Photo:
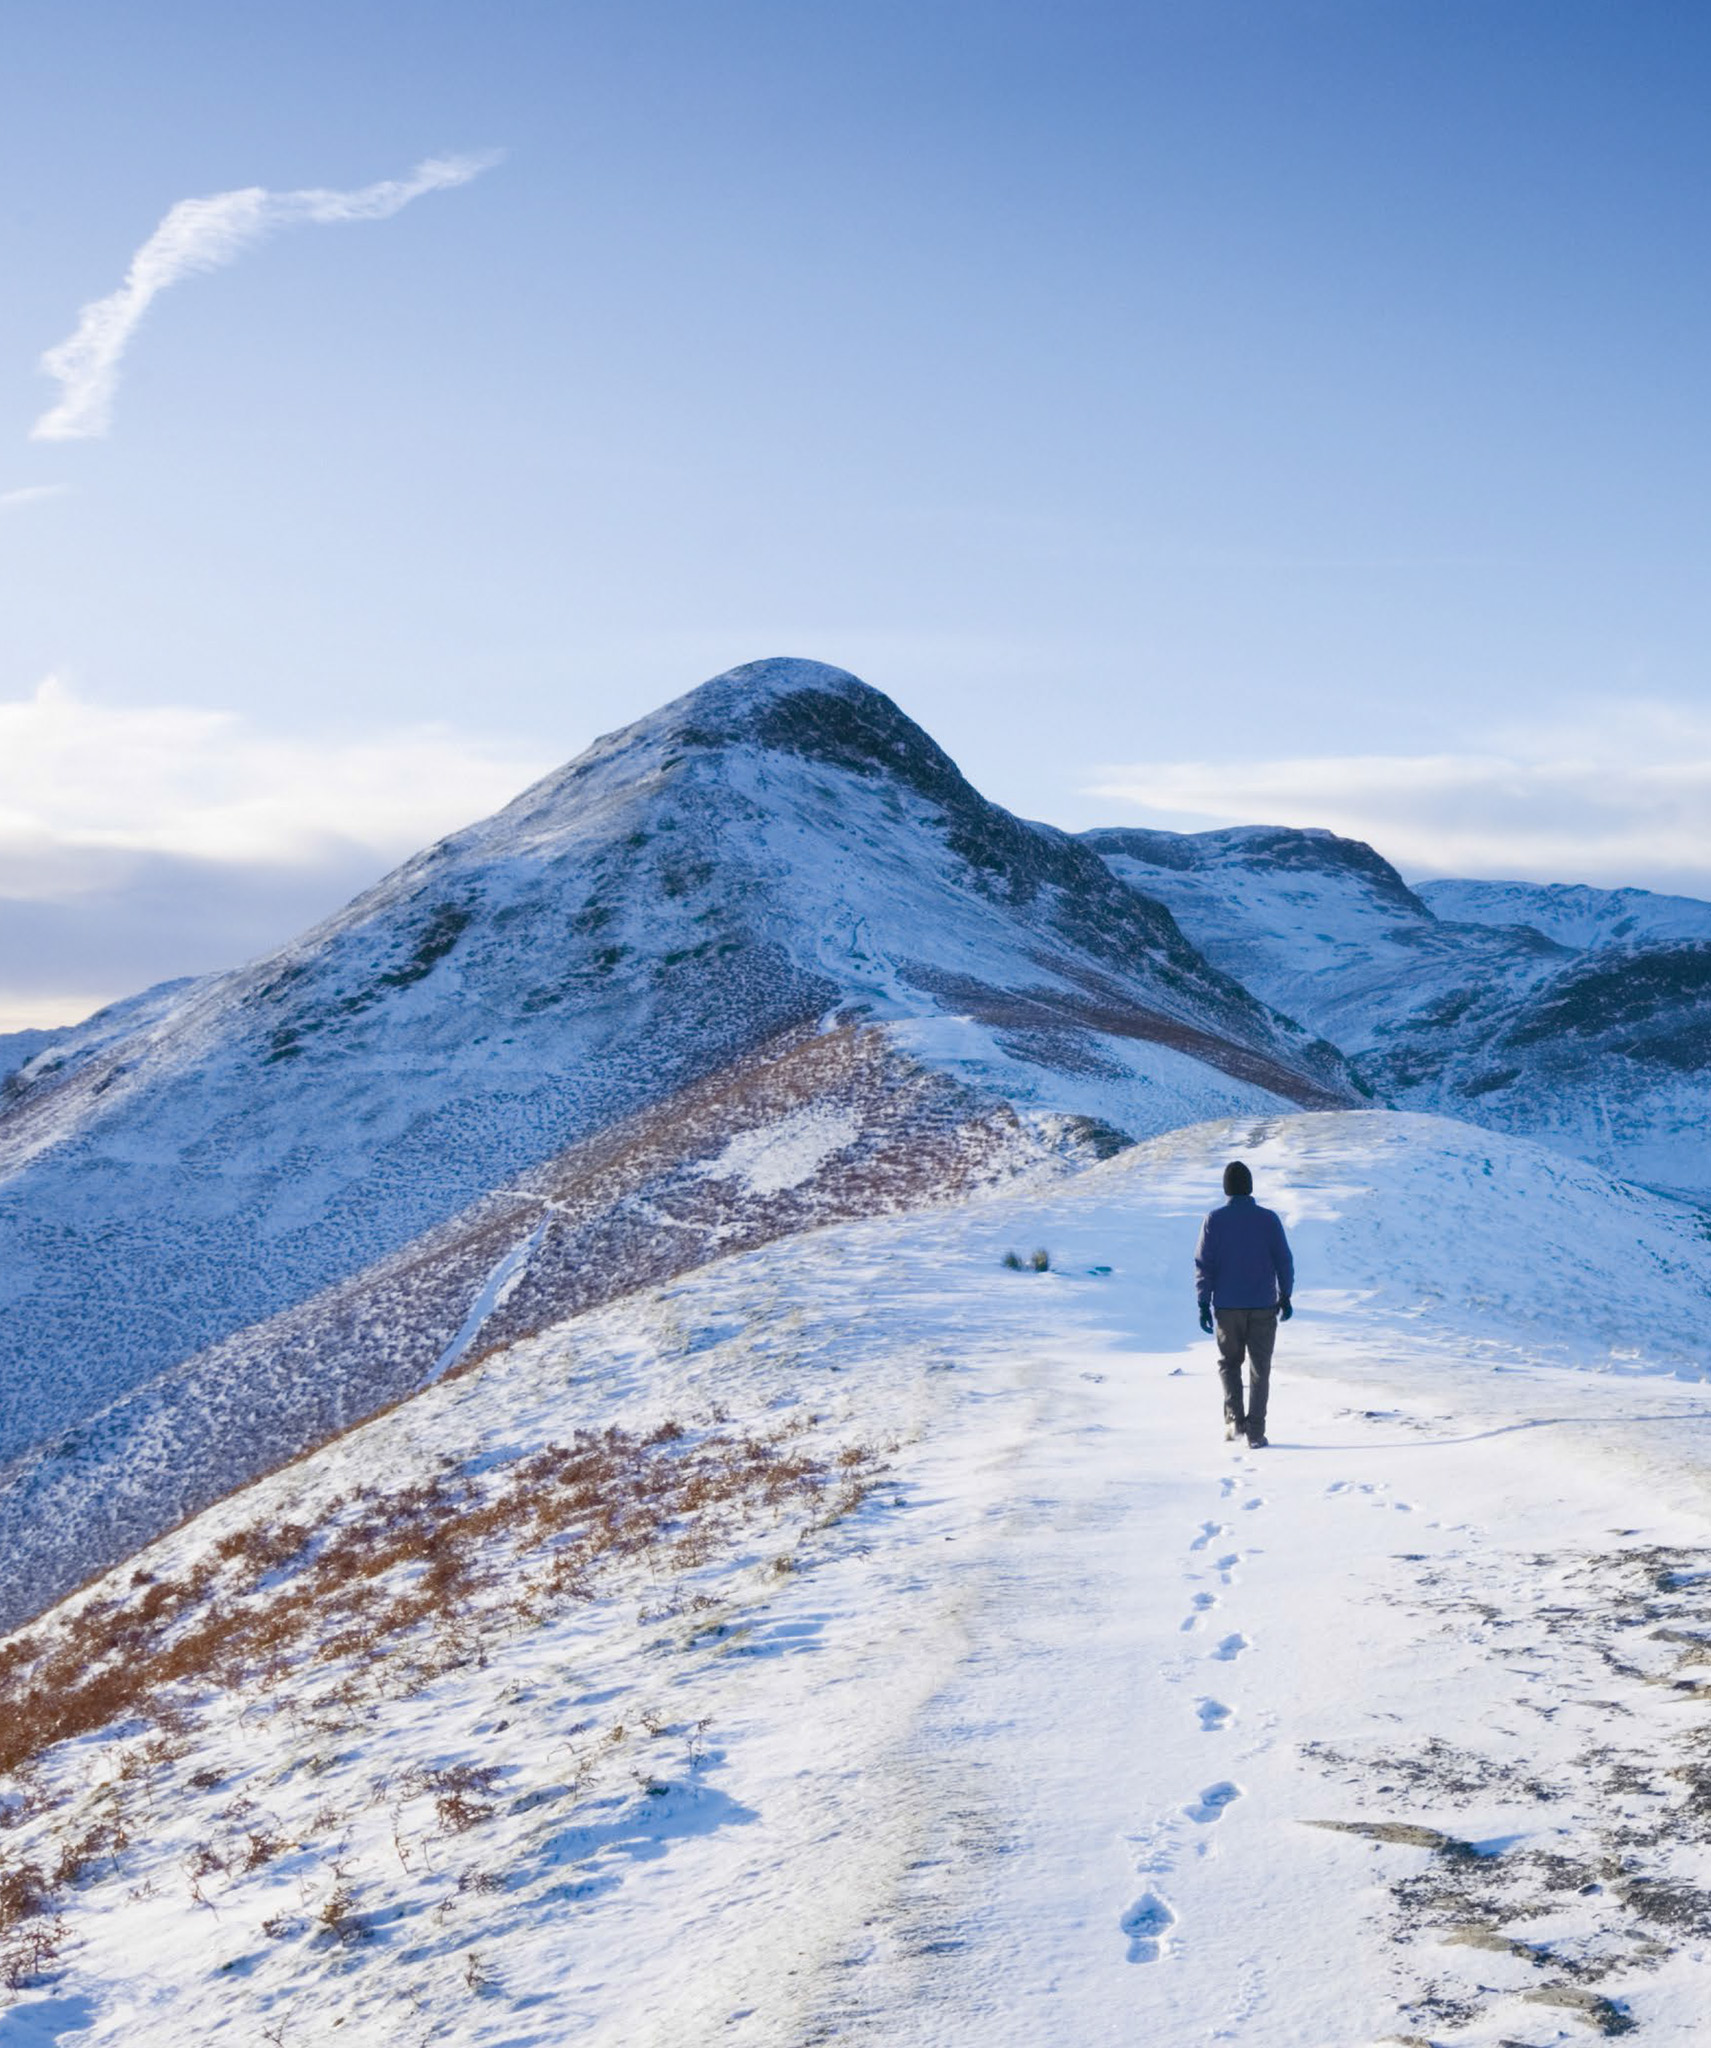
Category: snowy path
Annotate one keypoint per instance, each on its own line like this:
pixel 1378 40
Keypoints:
pixel 1089 1727
pixel 1080 1707
pixel 1220 1730
pixel 1111 1789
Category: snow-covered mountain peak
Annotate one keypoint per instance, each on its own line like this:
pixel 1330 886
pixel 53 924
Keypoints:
pixel 731 701
pixel 1322 927
pixel 782 704
pixel 707 742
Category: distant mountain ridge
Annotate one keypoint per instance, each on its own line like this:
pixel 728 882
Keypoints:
pixel 1577 1016
pixel 1573 914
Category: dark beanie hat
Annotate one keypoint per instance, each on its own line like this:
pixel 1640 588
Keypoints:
pixel 1237 1179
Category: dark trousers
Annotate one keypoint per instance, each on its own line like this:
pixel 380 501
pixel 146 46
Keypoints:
pixel 1249 1333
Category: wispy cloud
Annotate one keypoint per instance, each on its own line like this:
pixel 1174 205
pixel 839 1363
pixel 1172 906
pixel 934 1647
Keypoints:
pixel 1621 795
pixel 30 494
pixel 199 235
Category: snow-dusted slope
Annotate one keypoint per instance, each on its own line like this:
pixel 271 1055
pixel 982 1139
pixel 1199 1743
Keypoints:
pixel 1571 913
pixel 780 847
pixel 1326 929
pixel 813 1127
pixel 1601 1048
pixel 900 1655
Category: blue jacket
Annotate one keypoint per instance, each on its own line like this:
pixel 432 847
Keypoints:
pixel 1242 1260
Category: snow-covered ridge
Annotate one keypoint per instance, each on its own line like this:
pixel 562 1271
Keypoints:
pixel 1573 914
pixel 1045 1687
pixel 540 1064
pixel 1324 927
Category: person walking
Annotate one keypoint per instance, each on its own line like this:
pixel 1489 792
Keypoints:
pixel 1244 1275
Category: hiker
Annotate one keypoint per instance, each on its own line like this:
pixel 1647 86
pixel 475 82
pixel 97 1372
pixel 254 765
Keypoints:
pixel 1244 1275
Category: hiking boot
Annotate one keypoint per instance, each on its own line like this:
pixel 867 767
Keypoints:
pixel 1258 1440
pixel 1233 1429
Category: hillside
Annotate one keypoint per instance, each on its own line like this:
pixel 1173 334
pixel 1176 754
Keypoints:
pixel 1329 930
pixel 889 1641
pixel 1590 1029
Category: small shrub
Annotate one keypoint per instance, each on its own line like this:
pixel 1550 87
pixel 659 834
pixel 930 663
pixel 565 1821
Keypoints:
pixel 338 1910
pixel 261 1846
pixel 461 1778
pixel 1041 1261
pixel 23 1891
pixel 29 1952
pixel 457 1812
pixel 76 1857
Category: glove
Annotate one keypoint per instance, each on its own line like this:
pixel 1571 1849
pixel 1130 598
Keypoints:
pixel 1284 1310
pixel 1206 1321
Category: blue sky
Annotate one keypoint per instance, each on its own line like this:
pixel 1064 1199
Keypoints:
pixel 1191 411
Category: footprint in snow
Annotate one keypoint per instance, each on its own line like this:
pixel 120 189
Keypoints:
pixel 1201 1602
pixel 1146 1923
pixel 1258 1501
pixel 1227 1486
pixel 1208 1532
pixel 1214 1715
pixel 1227 1564
pixel 1211 1803
pixel 1230 1648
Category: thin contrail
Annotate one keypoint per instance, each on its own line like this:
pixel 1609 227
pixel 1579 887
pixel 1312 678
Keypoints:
pixel 196 235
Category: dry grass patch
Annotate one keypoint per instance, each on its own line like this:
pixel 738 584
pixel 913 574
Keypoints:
pixel 438 1556
pixel 395 1585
